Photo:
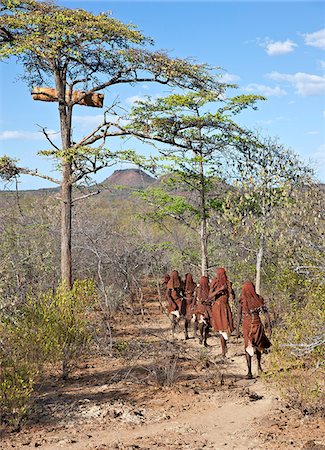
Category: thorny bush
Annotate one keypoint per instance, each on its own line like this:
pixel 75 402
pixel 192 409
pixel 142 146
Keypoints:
pixel 297 358
pixel 48 327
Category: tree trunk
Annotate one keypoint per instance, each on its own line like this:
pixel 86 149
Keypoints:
pixel 66 207
pixel 204 247
pixel 203 231
pixel 66 186
pixel 259 259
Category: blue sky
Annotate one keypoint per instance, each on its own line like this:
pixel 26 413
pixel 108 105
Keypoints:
pixel 271 48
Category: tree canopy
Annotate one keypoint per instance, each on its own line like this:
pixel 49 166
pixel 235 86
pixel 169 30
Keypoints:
pixel 49 39
pixel 195 147
pixel 75 49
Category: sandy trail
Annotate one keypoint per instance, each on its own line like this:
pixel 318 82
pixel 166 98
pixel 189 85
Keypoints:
pixel 197 413
pixel 223 426
pixel 210 420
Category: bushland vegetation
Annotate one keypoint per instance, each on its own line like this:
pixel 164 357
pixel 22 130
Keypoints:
pixel 115 245
pixel 224 197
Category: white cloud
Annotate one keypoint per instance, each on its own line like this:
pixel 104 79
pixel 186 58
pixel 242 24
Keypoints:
pixel 135 98
pixel 280 48
pixel 304 83
pixel 312 133
pixel 229 78
pixel 322 64
pixel 89 121
pixel 8 135
pixel 316 39
pixel 265 90
pixel 141 98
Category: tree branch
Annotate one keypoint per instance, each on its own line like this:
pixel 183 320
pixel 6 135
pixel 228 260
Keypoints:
pixel 35 173
pixel 47 137
pixel 85 196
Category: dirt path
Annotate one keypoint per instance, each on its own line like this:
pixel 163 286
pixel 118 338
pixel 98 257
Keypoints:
pixel 213 427
pixel 119 404
pixel 209 420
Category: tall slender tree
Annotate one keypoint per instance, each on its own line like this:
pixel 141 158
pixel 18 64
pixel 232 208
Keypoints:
pixel 71 49
pixel 195 149
pixel 266 177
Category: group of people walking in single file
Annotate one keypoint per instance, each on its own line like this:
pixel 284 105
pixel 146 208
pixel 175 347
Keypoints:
pixel 207 304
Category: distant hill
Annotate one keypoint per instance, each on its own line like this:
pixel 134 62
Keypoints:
pixel 125 179
pixel 133 178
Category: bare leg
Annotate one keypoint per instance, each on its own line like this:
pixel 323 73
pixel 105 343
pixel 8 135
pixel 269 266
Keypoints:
pixel 201 329
pixel 195 328
pixel 174 324
pixel 249 375
pixel 259 357
pixel 206 329
pixel 223 345
pixel 186 328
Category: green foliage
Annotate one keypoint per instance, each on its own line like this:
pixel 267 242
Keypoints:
pixel 46 30
pixel 265 177
pixel 65 317
pixel 195 148
pixel 49 327
pixel 8 168
pixel 183 121
pixel 122 348
pixel 17 381
pixel 46 37
pixel 56 49
pixel 296 362
pixel 300 237
pixel 165 204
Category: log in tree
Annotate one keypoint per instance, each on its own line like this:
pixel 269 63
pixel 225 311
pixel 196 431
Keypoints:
pixel 196 147
pixel 74 49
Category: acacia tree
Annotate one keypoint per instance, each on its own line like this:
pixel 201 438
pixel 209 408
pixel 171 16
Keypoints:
pixel 71 49
pixel 266 176
pixel 195 147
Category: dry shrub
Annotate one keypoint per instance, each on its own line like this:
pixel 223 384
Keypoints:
pixel 296 363
pixel 303 388
pixel 122 349
pixel 49 327
pixel 112 300
pixel 166 371
pixel 17 381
